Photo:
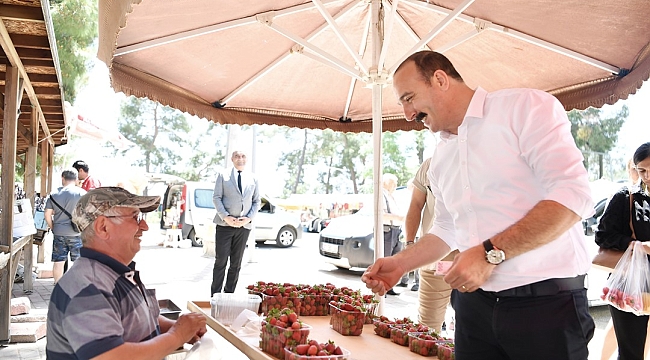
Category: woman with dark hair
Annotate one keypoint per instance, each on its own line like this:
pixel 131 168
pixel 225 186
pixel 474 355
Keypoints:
pixel 627 219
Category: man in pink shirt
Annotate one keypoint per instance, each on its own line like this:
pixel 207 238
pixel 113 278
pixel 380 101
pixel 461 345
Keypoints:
pixel 87 182
pixel 510 191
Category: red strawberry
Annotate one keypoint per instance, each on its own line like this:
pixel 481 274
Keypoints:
pixel 313 350
pixel 302 349
pixel 338 351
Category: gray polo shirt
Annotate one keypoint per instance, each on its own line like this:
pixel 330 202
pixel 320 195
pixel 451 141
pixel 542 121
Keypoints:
pixel 67 197
pixel 97 306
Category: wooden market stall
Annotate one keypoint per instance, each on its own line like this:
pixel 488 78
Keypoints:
pixel 33 121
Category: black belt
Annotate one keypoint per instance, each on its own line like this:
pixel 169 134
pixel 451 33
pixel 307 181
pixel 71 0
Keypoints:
pixel 543 288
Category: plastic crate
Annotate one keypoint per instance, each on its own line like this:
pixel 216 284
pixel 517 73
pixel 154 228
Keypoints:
pixel 226 307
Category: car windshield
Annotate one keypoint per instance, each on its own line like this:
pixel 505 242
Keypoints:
pixel 203 198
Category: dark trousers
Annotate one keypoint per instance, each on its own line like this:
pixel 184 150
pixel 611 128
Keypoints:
pixel 392 246
pixel 630 333
pixel 230 244
pixel 522 328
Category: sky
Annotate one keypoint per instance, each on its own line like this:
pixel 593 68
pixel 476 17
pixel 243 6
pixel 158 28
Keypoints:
pixel 97 101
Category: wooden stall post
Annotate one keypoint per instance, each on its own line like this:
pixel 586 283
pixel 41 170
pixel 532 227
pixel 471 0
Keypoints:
pixel 30 190
pixel 7 179
pixel 40 258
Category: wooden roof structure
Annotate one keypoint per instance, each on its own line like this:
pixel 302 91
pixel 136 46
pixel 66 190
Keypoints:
pixel 28 42
pixel 33 121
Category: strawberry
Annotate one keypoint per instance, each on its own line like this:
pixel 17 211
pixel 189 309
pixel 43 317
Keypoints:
pixel 313 350
pixel 302 349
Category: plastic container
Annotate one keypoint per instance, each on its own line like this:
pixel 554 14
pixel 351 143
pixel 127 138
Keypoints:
pixel 226 307
pixel 347 322
pixel 274 338
pixel 382 328
pixel 426 347
pixel 399 334
pixel 290 355
pixel 446 351
pixel 280 302
pixel 371 312
pixel 315 305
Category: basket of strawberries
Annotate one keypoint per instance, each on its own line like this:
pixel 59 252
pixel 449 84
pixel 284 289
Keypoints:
pixel 314 350
pixel 347 319
pixel 426 343
pixel 282 328
pixel 383 324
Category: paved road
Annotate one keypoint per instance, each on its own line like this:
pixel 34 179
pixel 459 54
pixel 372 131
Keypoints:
pixel 185 274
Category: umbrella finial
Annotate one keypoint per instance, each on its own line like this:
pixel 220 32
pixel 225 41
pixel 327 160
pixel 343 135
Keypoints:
pixel 217 104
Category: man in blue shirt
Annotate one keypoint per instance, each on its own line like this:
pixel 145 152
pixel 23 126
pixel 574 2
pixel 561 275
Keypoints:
pixel 58 210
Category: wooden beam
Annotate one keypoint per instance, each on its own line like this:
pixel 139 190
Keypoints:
pixel 35 62
pixel 43 78
pixel 7 179
pixel 24 132
pixel 9 49
pixel 23 13
pixel 34 53
pixel 29 41
pixel 44 154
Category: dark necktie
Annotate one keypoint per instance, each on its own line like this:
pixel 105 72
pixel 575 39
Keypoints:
pixel 239 181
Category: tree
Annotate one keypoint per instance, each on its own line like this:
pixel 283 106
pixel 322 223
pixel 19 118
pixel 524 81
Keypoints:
pixel 394 159
pixel 164 137
pixel 595 135
pixel 75 29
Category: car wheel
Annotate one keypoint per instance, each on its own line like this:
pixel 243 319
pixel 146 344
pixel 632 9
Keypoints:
pixel 286 237
pixel 196 241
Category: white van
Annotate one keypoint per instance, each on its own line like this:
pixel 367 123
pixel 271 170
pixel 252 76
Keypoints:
pixel 188 206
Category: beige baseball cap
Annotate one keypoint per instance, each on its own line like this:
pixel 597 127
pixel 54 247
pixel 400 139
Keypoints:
pixel 98 201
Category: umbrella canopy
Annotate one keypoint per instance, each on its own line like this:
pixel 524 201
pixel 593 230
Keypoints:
pixel 311 64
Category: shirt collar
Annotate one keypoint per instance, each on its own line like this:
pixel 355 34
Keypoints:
pixel 117 266
pixel 475 110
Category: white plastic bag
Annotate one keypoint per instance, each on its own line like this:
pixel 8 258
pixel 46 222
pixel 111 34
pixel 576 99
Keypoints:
pixel 206 348
pixel 628 288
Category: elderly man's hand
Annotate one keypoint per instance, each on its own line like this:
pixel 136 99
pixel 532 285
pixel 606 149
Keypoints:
pixel 382 275
pixel 189 327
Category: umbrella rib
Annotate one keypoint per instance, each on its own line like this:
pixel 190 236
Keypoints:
pixel 362 51
pixel 207 30
pixel 387 33
pixel 326 15
pixel 522 36
pixel 284 56
pixel 451 16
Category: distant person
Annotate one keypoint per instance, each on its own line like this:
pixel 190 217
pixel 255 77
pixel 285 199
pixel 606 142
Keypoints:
pixel 434 292
pixel 237 200
pixel 627 219
pixel 87 182
pixel 393 219
pixel 100 309
pixel 58 216
pixel 510 190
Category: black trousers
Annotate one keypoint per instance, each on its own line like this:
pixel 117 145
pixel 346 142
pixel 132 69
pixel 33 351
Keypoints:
pixel 230 243
pixel 489 327
pixel 630 333
pixel 392 246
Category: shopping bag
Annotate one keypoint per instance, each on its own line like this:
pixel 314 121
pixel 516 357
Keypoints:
pixel 628 288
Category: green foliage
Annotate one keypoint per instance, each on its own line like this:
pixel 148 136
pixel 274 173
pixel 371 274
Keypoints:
pixel 75 29
pixel 165 138
pixel 596 136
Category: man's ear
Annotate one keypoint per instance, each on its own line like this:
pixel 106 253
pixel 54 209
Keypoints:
pixel 100 225
pixel 441 80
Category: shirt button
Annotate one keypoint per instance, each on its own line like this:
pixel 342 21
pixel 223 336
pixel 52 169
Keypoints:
pixel 462 140
pixel 466 187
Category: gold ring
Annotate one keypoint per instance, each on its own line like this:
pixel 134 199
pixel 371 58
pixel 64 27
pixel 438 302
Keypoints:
pixel 463 287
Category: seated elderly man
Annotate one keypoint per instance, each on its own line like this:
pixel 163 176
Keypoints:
pixel 100 308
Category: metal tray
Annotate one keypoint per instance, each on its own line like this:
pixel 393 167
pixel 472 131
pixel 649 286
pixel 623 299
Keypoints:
pixel 168 309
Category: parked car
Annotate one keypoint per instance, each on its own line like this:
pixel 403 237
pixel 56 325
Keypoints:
pixel 348 241
pixel 188 206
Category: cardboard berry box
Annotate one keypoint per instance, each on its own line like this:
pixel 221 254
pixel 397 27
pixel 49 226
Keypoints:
pixel 347 322
pixel 275 338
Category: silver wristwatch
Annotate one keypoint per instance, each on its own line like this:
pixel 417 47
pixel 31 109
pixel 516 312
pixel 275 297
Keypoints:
pixel 492 254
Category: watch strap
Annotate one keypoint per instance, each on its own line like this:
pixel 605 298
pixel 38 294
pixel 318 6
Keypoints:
pixel 487 244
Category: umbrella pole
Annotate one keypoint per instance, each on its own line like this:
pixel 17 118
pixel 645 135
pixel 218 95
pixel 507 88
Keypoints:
pixel 378 202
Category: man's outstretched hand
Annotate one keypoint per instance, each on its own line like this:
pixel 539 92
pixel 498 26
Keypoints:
pixel 382 275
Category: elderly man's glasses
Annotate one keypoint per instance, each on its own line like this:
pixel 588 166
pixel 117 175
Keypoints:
pixel 138 217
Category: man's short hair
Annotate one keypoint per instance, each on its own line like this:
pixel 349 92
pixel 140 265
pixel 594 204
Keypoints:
pixel 97 202
pixel 80 164
pixel 69 174
pixel 428 62
pixel 389 178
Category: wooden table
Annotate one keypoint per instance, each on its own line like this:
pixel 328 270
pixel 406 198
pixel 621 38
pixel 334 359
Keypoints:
pixel 367 346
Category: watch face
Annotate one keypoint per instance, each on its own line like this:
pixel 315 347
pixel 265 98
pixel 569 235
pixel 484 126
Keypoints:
pixel 495 256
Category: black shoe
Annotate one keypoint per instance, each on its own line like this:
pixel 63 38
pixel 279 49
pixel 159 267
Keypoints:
pixel 415 287
pixel 403 285
pixel 391 292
